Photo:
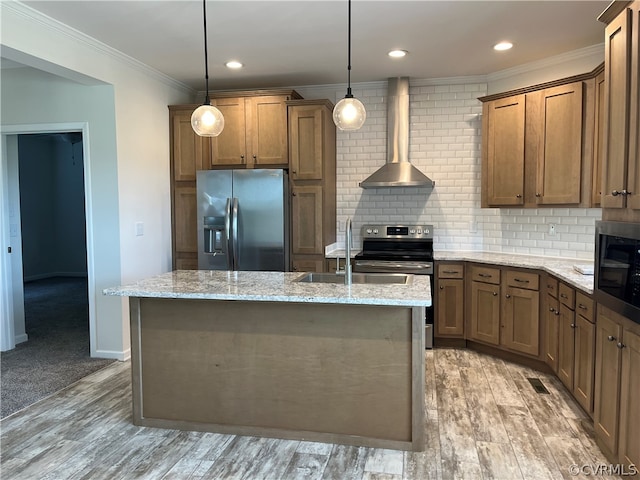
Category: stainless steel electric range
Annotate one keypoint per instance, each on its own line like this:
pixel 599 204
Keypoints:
pixel 399 249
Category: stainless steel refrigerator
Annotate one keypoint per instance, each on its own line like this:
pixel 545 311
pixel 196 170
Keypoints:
pixel 243 220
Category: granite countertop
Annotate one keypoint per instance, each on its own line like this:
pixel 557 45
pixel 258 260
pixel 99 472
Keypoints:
pixel 273 287
pixel 559 267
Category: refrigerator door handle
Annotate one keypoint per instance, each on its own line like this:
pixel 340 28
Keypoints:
pixel 234 229
pixel 228 234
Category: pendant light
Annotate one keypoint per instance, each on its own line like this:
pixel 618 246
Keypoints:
pixel 207 120
pixel 349 113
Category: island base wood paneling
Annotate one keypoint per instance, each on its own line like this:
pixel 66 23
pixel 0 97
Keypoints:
pixel 350 374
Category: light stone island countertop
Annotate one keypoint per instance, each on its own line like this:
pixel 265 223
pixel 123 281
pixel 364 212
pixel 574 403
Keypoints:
pixel 559 267
pixel 273 287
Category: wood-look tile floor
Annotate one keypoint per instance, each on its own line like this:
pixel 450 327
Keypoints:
pixel 483 421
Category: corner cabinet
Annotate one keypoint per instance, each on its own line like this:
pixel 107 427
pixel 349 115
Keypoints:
pixel 621 137
pixel 312 173
pixel 189 153
pixel 617 387
pixel 255 131
pixel 538 144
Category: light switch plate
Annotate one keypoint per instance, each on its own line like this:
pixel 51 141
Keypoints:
pixel 139 229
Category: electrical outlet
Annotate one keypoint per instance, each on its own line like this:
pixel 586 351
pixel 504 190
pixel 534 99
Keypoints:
pixel 552 229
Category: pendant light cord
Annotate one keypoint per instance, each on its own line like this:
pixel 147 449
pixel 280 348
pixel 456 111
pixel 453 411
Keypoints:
pixel 207 100
pixel 349 94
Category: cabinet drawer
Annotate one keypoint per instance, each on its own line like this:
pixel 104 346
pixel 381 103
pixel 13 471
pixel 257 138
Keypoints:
pixel 552 287
pixel 529 281
pixel 450 270
pixel 584 306
pixel 567 296
pixel 486 275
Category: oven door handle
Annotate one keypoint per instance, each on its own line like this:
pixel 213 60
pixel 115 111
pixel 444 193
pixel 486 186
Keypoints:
pixel 382 265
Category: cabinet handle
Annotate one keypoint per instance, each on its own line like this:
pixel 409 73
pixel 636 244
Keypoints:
pixel 551 309
pixel 294 171
pixel 450 271
pixel 563 295
pixel 293 194
pixel 611 338
pixel 583 307
pixel 242 157
pixel 508 296
pixel 557 312
pixel 521 280
pixel 254 157
pixel 625 192
pixel 441 287
pixel 538 195
pixel 615 193
pixel 518 196
pixel 485 275
pixel 495 294
pixel 620 345
pixel 573 325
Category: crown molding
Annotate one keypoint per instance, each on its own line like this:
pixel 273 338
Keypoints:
pixel 548 62
pixel 19 9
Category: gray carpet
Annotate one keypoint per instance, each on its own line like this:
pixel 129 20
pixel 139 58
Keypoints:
pixel 57 352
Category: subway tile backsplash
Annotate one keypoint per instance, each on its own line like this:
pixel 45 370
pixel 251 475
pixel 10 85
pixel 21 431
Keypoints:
pixel 445 141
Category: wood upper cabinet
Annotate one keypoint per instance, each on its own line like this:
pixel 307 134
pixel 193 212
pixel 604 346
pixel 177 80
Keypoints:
pixel 503 151
pixel 449 300
pixel 621 168
pixel 538 145
pixel 255 131
pixel 598 139
pixel 559 162
pixel 312 173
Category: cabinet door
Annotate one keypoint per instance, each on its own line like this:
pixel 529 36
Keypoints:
pixel 552 331
pixel 607 387
pixel 184 220
pixel 560 150
pixel 598 139
pixel 229 148
pixel 190 152
pixel 584 362
pixel 308 264
pixel 566 345
pixel 633 178
pixel 266 118
pixel 505 151
pixel 306 210
pixel 306 140
pixel 520 320
pixel 450 307
pixel 629 451
pixel 485 312
pixel 617 105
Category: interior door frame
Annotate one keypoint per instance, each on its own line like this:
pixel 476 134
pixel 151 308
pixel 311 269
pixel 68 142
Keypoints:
pixel 10 263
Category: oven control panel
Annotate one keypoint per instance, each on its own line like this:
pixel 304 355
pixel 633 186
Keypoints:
pixel 397 231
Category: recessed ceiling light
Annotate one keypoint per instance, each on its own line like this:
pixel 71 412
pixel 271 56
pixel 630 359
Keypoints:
pixel 397 53
pixel 234 64
pixel 502 46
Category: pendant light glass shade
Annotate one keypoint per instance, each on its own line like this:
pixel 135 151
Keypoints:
pixel 207 121
pixel 349 113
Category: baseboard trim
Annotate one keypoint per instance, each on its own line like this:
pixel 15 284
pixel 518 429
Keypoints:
pixel 23 337
pixel 116 355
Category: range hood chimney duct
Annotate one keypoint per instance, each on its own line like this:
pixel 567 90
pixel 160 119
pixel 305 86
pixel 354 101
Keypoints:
pixel 398 171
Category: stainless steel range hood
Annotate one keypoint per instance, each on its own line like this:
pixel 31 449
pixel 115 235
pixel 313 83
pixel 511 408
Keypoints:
pixel 398 171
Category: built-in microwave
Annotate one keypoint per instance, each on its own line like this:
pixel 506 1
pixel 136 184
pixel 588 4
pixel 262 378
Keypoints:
pixel 617 267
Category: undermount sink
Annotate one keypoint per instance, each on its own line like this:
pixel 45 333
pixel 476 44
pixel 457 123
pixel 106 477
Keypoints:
pixel 366 278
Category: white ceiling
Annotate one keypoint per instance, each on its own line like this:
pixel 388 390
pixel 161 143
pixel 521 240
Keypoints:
pixel 295 43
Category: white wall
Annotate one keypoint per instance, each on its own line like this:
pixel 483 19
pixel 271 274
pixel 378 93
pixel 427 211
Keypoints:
pixel 125 107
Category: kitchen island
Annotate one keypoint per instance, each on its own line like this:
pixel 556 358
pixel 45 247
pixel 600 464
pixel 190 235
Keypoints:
pixel 259 353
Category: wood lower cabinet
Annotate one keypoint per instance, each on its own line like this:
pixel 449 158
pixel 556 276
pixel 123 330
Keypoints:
pixel 312 147
pixel 617 386
pixel 584 362
pixel 566 345
pixel 255 133
pixel 449 300
pixel 551 324
pixel 483 303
